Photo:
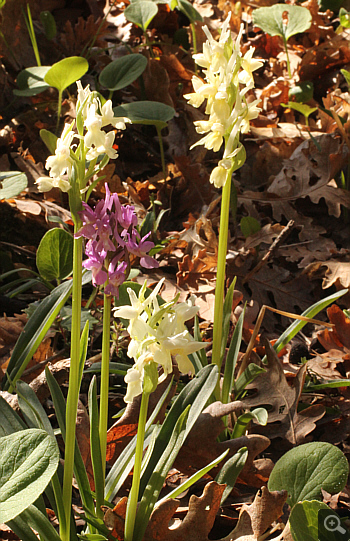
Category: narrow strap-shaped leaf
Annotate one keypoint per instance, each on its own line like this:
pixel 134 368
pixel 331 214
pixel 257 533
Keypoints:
pixel 39 522
pixel 79 468
pixel 122 467
pixel 231 470
pixel 231 360
pixel 95 445
pixel 196 393
pixel 32 410
pixel 249 374
pixel 241 425
pixel 10 421
pixel 227 310
pixel 154 486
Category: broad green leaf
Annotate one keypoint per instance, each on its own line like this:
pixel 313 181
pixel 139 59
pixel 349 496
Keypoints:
pixel 151 113
pixel 187 9
pixel 141 13
pixel 271 20
pixel 12 183
pixel 31 408
pixel 344 17
pixel 258 414
pixel 230 471
pixel 66 72
pixel 346 74
pixel 54 257
pixel 307 522
pixel 123 71
pixel 50 140
pixel 249 226
pixel 302 92
pixel 31 81
pixel 304 470
pixel 28 460
pixel 302 108
pixel 49 24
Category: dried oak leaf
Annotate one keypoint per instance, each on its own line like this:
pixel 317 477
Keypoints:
pixel 272 388
pixel 332 272
pixel 338 337
pixel 114 518
pixel 332 54
pixel 197 523
pixel 75 39
pixel 201 445
pixel 255 519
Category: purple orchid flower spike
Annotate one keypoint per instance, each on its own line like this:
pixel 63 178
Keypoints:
pixel 141 248
pixel 116 276
pixel 95 263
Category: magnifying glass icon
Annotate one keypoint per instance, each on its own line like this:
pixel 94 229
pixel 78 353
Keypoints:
pixel 332 524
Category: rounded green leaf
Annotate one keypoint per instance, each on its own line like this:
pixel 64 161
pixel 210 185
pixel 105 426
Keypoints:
pixel 302 92
pixel 249 226
pixel 123 71
pixel 49 24
pixel 31 81
pixel 12 183
pixel 28 460
pixel 141 13
pixel 271 20
pixel 304 470
pixel 54 257
pixel 66 72
pixel 151 113
pixel 187 9
pixel 305 521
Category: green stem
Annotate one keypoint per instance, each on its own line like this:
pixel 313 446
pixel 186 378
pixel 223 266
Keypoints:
pixel 74 384
pixel 194 41
pixel 134 492
pixel 220 275
pixel 149 45
pixel 59 106
pixel 103 421
pixel 161 148
pixel 288 62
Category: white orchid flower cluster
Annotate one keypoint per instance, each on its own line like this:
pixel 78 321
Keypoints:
pixel 92 116
pixel 228 78
pixel 158 333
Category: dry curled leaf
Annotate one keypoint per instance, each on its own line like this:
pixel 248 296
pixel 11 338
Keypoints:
pixel 197 523
pixel 272 389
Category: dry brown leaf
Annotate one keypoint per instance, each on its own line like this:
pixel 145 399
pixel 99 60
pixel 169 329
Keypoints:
pixel 338 337
pixel 333 53
pixel 83 34
pixel 114 518
pixel 273 389
pixel 197 523
pixel 157 83
pixel 255 519
pixel 206 431
pixel 333 273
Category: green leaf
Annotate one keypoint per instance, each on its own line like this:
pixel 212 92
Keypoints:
pixel 66 315
pixel 249 226
pixel 50 140
pixel 123 71
pixel 302 92
pixel 141 13
pixel 258 414
pixel 12 183
pixel 10 421
pixel 304 470
pixel 49 24
pixel 344 17
pixel 270 20
pixel 31 81
pixel 66 72
pixel 305 521
pixel 152 113
pixel 95 444
pixel 230 471
pixel 346 74
pixel 54 257
pixel 249 374
pixel 28 460
pixel 302 108
pixel 231 360
pixel 31 408
pixel 187 9
pixel 37 520
pixel 227 311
